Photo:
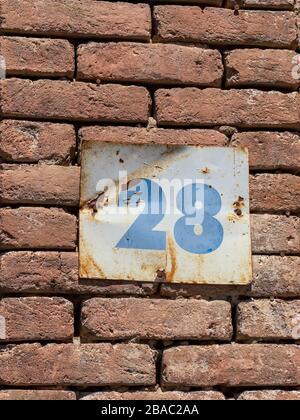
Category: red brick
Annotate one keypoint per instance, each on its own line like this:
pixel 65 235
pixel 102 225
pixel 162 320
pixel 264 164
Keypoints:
pixel 62 100
pixel 33 142
pixel 37 57
pixel 224 27
pixel 268 320
pixel 76 18
pixel 232 365
pixel 266 68
pixel 116 319
pixel 157 135
pixel 55 185
pixel 271 193
pixel 262 4
pixel 155 396
pixel 275 234
pixel 276 276
pixel 205 2
pixel 54 272
pixel 270 396
pixel 77 365
pixel 36 319
pixel 150 63
pixel 37 228
pixel 241 108
pixel 35 395
pixel 270 150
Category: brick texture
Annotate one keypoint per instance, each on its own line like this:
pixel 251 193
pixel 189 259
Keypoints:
pixel 265 68
pixel 155 396
pixel 270 150
pixel 38 57
pixel 270 396
pixel 35 395
pixel 150 63
pixel 37 228
pixel 47 184
pixel 60 100
pixel 232 365
pixel 215 26
pixel 157 135
pixel 108 319
pixel 182 72
pixel 36 319
pixel 85 365
pixel 275 234
pixel 257 4
pixel 241 108
pixel 275 193
pixel 76 18
pixel 34 142
pixel 268 320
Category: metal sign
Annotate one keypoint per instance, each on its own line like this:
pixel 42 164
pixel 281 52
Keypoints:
pixel 163 213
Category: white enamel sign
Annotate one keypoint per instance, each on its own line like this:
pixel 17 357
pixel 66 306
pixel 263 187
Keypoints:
pixel 175 214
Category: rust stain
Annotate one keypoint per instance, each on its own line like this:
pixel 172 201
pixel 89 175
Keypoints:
pixel 240 202
pixel 87 263
pixel 99 200
pixel 172 254
pixel 205 171
pixel 238 205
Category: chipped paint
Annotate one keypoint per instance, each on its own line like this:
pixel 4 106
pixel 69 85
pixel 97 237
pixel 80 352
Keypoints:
pixel 225 170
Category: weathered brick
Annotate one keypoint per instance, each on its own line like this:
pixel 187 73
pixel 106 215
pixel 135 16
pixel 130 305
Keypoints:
pixel 150 63
pixel 268 320
pixel 205 2
pixel 155 396
pixel 276 276
pixel 36 319
pixel 241 108
pixel 273 193
pixel 266 68
pixel 275 234
pixel 272 276
pixel 62 100
pixel 262 4
pixel 46 184
pixel 37 57
pixel 33 142
pixel 215 26
pixel 77 365
pixel 270 396
pixel 157 135
pixel 57 273
pixel 76 18
pixel 232 365
pixel 270 150
pixel 36 395
pixel 37 228
pixel 114 319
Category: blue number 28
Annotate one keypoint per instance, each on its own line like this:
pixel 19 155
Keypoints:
pixel 197 232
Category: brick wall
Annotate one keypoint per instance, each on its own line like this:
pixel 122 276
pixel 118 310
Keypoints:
pixel 225 74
